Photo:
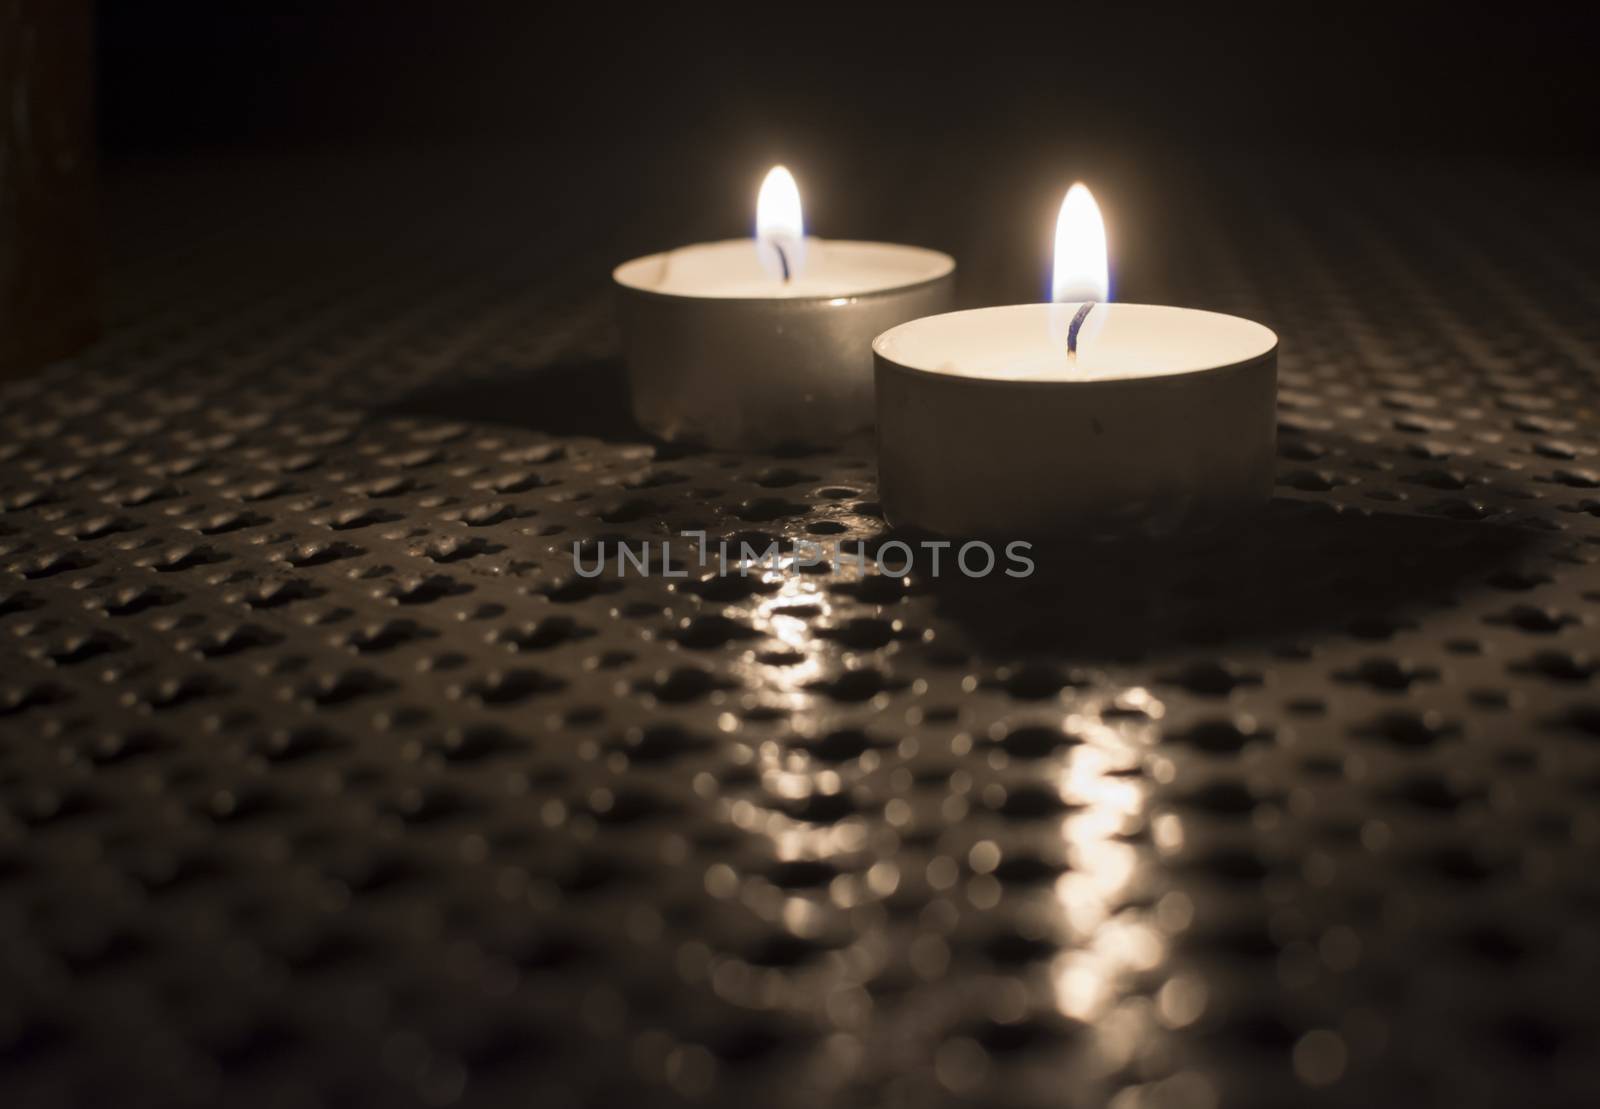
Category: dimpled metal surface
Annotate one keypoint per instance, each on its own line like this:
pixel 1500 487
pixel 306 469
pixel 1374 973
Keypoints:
pixel 324 780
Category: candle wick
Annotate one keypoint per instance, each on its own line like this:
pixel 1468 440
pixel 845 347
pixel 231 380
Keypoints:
pixel 1076 326
pixel 783 260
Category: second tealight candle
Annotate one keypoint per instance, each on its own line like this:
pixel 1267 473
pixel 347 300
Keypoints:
pixel 757 343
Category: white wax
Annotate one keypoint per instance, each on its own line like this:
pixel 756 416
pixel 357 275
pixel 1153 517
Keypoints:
pixel 733 270
pixel 1028 342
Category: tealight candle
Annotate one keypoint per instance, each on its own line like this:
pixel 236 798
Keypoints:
pixel 1078 416
pixel 753 343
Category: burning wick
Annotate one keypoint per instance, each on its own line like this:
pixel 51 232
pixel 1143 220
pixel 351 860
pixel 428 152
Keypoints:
pixel 1072 329
pixel 1080 263
pixel 779 223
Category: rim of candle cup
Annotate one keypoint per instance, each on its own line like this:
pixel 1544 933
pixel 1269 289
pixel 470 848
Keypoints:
pixel 1151 380
pixel 948 261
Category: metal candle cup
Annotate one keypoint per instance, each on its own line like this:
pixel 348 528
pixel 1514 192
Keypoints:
pixel 721 352
pixel 986 427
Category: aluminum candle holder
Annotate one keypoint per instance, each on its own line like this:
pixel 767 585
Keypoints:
pixel 986 427
pixel 721 354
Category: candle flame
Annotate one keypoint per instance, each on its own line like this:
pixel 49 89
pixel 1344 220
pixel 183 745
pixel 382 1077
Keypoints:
pixel 780 232
pixel 1080 269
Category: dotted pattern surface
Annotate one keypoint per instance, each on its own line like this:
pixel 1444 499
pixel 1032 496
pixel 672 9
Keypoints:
pixel 324 778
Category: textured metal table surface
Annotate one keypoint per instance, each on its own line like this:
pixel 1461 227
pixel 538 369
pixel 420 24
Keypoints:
pixel 325 780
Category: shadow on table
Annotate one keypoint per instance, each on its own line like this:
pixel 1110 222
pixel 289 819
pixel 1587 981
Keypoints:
pixel 587 397
pixel 1300 569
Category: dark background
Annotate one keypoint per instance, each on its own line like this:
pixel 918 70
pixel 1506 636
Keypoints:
pixel 958 128
pixel 1504 80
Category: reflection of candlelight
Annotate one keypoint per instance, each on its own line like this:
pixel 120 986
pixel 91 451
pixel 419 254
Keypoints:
pixel 1107 806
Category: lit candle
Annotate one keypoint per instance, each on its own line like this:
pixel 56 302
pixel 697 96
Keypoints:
pixel 754 343
pixel 1077 416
